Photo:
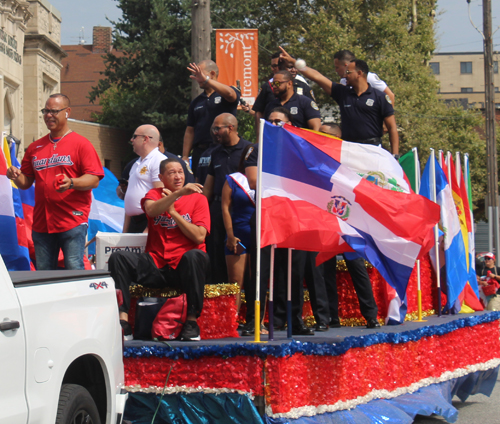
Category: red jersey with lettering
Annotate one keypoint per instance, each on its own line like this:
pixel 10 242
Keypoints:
pixel 166 242
pixel 74 156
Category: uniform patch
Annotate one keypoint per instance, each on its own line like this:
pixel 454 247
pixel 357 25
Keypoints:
pixel 250 150
pixel 376 77
pixel 300 90
pixel 294 110
pixel 143 170
pixel 217 100
pixel 314 106
pixel 77 213
pixel 369 102
pixel 388 99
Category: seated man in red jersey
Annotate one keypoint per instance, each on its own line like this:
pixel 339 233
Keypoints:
pixel 178 222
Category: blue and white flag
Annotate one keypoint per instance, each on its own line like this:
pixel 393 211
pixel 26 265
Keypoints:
pixel 454 248
pixel 107 212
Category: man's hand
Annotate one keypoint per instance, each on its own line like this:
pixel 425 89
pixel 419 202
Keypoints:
pixel 13 173
pixel 165 192
pixel 284 55
pixel 64 183
pixel 198 74
pixel 190 189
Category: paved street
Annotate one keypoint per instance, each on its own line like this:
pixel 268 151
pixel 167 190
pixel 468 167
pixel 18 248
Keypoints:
pixel 478 409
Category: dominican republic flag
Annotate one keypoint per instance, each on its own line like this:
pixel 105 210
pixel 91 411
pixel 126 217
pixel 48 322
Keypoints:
pixel 454 248
pixel 13 238
pixel 107 212
pixel 312 201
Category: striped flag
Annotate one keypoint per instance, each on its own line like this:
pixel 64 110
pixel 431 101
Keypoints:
pixel 312 201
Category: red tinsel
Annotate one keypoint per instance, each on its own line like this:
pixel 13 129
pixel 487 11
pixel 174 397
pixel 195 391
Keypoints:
pixel 302 380
pixel 239 373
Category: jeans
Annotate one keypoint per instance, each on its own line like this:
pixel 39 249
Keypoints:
pixel 72 243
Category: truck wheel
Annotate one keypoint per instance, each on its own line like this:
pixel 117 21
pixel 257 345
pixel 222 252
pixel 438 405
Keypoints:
pixel 76 406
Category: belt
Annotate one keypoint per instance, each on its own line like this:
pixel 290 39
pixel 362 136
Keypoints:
pixel 202 146
pixel 139 218
pixel 218 198
pixel 373 140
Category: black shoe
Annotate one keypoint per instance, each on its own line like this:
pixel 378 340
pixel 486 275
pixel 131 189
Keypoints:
pixel 335 323
pixel 321 327
pixel 372 323
pixel 302 330
pixel 127 330
pixel 190 332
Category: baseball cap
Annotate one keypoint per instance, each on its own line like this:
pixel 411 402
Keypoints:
pixel 489 255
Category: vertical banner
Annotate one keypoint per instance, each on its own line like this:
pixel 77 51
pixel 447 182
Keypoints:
pixel 238 60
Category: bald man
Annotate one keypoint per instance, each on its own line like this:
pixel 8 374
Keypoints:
pixel 225 160
pixel 216 98
pixel 143 176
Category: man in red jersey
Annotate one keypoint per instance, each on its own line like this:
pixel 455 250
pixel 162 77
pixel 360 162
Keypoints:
pixel 178 222
pixel 65 168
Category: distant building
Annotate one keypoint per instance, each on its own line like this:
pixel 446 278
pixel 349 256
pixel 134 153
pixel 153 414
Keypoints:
pixel 82 69
pixel 461 77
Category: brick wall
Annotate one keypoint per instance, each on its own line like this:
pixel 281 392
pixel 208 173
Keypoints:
pixel 110 143
pixel 101 39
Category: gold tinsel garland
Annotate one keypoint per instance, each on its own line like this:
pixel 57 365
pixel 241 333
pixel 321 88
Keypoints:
pixel 211 291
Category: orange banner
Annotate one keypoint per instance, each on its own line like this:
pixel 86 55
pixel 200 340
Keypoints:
pixel 238 60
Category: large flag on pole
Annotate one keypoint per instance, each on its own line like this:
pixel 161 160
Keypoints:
pixel 454 248
pixel 311 201
pixel 13 240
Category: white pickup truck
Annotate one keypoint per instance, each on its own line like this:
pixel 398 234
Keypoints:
pixel 60 348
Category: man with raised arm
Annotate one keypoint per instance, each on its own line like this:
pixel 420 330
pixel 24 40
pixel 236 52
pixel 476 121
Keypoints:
pixel 216 98
pixel 363 109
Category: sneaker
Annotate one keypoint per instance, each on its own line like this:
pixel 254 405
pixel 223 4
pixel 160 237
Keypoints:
pixel 190 332
pixel 127 330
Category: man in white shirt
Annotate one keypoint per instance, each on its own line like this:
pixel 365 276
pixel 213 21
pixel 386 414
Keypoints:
pixel 143 176
pixel 343 57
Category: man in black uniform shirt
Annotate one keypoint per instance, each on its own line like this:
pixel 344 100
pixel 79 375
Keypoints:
pixel 217 98
pixel 225 160
pixel 266 94
pixel 304 111
pixel 363 109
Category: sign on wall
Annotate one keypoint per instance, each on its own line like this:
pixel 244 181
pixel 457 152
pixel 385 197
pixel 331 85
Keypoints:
pixel 238 58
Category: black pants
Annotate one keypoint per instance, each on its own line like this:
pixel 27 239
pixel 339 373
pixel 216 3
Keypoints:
pixel 189 276
pixel 196 155
pixel 362 285
pixel 314 276
pixel 138 223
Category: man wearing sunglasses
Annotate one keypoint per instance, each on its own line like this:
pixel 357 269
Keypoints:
pixel 363 109
pixel 65 168
pixel 304 111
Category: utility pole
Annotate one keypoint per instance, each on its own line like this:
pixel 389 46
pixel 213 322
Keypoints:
pixel 201 30
pixel 491 147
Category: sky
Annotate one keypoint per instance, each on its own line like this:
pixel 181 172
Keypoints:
pixel 454 31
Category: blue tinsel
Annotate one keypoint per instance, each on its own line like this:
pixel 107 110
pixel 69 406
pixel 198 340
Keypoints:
pixel 293 347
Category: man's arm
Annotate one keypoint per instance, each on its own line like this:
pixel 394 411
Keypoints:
pixel 21 180
pixel 314 124
pixel 390 123
pixel 188 143
pixel 154 208
pixel 224 90
pixel 208 188
pixel 83 183
pixel 389 92
pixel 310 73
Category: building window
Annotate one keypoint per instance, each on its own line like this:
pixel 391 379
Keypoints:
pixel 434 67
pixel 495 67
pixel 466 90
pixel 497 90
pixel 466 67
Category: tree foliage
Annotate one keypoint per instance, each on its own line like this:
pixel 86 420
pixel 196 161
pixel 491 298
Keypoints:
pixel 150 82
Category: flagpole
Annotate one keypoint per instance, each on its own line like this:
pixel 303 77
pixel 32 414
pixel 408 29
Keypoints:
pixel 270 309
pixel 417 190
pixel 436 232
pixel 289 295
pixel 258 229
